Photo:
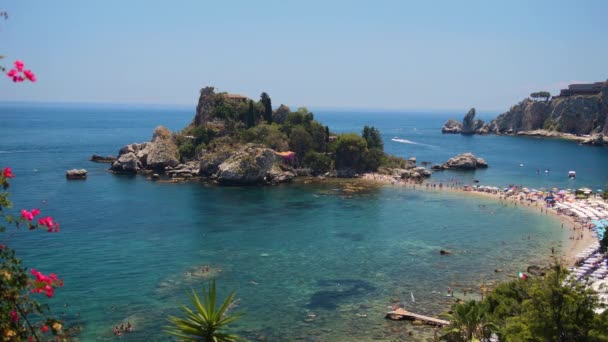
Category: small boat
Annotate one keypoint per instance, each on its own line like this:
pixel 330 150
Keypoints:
pixel 571 174
pixel 521 165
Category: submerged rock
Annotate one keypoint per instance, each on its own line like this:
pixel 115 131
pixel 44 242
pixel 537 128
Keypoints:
pixel 101 159
pixel 76 174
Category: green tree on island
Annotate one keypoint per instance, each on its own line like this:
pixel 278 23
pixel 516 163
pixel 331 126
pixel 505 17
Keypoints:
pixel 250 118
pixel 267 103
pixel 372 137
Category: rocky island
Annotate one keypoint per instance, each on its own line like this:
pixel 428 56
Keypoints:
pixel 579 112
pixel 465 161
pixel 234 140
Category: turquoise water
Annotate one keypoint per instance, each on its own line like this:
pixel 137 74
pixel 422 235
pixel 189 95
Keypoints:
pixel 130 248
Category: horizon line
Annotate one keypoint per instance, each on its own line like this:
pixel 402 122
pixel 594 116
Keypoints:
pixel 193 106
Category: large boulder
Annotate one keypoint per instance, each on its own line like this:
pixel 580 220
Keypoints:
pixel 465 161
pixel 451 127
pixel 126 163
pixel 162 152
pixel 76 174
pixel 248 165
pixel 280 174
pixel 210 160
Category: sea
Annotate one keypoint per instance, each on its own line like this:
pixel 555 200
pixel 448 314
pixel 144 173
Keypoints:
pixel 309 261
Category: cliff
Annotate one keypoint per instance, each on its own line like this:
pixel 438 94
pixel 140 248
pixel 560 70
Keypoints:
pixel 582 117
pixel 578 114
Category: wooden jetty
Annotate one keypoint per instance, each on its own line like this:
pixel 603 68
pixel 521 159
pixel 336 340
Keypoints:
pixel 402 314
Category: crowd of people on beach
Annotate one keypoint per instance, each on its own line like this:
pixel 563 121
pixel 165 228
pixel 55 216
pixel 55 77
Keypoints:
pixel 588 214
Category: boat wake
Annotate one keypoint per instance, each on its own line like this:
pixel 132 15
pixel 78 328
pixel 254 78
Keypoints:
pixel 405 141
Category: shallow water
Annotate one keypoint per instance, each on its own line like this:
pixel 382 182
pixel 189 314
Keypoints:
pixel 130 249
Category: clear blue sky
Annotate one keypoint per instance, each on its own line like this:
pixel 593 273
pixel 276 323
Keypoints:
pixel 343 54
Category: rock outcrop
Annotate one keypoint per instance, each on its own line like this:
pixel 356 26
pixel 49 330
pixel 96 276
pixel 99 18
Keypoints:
pixel 76 174
pixel 465 161
pixel 595 140
pixel 126 163
pixel 156 155
pixel 184 171
pixel 468 126
pixel 248 165
pixel 161 151
pixel 101 159
pixel 451 127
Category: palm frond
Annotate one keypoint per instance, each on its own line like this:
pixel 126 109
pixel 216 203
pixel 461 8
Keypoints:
pixel 205 322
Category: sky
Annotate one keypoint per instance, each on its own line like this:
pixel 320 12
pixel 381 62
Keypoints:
pixel 433 55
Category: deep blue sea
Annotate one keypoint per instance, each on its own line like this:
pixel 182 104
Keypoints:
pixel 131 249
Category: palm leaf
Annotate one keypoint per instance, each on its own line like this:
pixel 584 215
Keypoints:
pixel 205 322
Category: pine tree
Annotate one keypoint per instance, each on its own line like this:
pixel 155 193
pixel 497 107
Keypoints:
pixel 267 103
pixel 250 115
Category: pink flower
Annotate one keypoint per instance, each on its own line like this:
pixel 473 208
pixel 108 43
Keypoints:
pixel 8 173
pixel 17 79
pixel 30 75
pixel 19 65
pixel 27 215
pixel 47 222
pixel 12 73
pixel 44 328
pixel 14 316
pixel 35 212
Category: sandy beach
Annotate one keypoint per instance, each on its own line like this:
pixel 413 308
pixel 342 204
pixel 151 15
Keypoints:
pixel 577 240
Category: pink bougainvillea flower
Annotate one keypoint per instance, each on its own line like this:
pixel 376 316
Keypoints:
pixel 14 316
pixel 44 328
pixel 35 212
pixel 47 222
pixel 30 75
pixel 8 172
pixel 12 73
pixel 17 79
pixel 27 215
pixel 19 65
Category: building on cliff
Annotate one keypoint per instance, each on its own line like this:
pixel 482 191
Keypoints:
pixel 582 89
pixel 236 97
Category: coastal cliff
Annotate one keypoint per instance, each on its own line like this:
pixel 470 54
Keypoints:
pixel 577 113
